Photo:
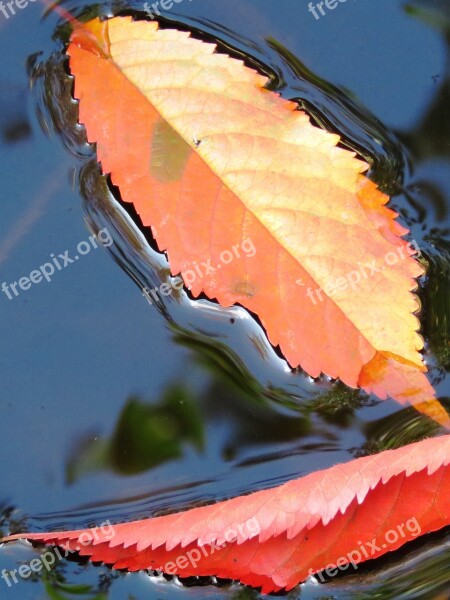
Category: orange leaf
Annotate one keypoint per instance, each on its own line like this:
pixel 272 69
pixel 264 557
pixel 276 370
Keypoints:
pixel 275 538
pixel 211 159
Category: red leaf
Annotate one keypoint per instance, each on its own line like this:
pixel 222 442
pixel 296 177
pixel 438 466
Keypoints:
pixel 277 537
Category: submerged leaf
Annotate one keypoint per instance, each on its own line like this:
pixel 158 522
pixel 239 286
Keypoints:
pixel 275 538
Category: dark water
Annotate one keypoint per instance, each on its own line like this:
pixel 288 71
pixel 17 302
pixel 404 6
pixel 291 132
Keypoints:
pixel 115 409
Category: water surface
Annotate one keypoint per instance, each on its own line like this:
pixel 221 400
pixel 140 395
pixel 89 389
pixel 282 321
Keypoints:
pixel 115 409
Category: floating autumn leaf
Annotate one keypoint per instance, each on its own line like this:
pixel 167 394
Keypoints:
pixel 211 161
pixel 275 538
